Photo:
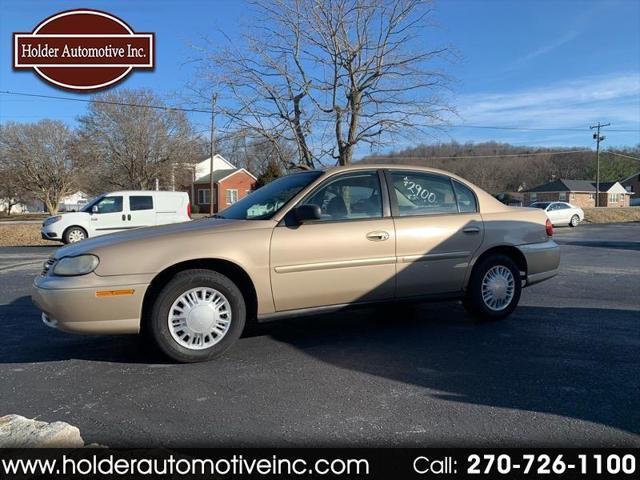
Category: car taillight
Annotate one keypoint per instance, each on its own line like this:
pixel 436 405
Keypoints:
pixel 549 226
pixel 189 210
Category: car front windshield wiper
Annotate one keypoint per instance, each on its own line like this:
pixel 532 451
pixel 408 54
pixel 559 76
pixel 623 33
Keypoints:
pixel 215 215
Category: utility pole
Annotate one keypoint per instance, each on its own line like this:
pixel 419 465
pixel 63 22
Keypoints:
pixel 212 149
pixel 598 138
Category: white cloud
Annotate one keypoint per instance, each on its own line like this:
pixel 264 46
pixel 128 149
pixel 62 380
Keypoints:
pixel 613 98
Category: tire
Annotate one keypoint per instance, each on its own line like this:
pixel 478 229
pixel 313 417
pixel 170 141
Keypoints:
pixel 575 220
pixel 500 266
pixel 73 235
pixel 216 332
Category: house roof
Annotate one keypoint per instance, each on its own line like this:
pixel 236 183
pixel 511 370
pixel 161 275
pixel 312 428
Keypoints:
pixel 219 175
pixel 572 186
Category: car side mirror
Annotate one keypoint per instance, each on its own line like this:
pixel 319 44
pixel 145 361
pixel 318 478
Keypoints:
pixel 94 209
pixel 305 213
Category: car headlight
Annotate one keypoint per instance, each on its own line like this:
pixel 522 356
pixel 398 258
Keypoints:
pixel 80 265
pixel 51 220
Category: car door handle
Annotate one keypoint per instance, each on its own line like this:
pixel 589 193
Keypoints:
pixel 129 217
pixel 471 230
pixel 377 236
pixel 123 217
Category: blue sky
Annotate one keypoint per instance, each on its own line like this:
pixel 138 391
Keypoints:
pixel 542 64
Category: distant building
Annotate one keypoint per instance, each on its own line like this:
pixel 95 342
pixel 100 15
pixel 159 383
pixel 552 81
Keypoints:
pixel 230 184
pixel 581 193
pixel 73 202
pixel 632 185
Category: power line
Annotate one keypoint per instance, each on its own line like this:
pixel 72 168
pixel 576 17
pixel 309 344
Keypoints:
pixel 476 156
pixel 622 155
pixel 208 111
pixel 106 102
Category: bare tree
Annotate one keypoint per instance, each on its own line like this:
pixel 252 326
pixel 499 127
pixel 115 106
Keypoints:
pixel 131 144
pixel 42 157
pixel 331 75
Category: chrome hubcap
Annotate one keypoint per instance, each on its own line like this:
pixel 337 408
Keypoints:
pixel 76 236
pixel 199 318
pixel 498 288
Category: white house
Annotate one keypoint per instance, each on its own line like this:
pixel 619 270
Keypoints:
pixel 203 168
pixel 73 202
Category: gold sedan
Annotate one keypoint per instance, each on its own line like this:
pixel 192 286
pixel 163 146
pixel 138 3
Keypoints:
pixel 308 242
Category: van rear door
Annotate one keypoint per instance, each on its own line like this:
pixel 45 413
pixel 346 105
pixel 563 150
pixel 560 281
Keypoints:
pixel 171 207
pixel 141 210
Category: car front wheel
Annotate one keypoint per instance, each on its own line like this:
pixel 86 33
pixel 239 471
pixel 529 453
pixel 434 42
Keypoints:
pixel 494 288
pixel 197 316
pixel 74 234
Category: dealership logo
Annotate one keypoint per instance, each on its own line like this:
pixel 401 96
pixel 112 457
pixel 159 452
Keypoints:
pixel 83 50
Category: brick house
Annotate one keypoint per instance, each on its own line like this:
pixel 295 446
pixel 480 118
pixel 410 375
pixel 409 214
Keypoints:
pixel 632 185
pixel 581 193
pixel 230 185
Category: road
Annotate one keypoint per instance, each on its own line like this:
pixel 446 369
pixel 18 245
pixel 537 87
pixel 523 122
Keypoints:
pixel 563 370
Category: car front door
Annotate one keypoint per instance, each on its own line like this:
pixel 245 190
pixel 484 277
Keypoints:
pixel 346 256
pixel 141 211
pixel 555 214
pixel 438 228
pixel 108 216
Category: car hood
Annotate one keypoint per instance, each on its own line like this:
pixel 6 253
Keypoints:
pixel 144 234
pixel 71 216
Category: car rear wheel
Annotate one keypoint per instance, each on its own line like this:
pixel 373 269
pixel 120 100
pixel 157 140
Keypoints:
pixel 575 220
pixel 74 234
pixel 197 316
pixel 494 288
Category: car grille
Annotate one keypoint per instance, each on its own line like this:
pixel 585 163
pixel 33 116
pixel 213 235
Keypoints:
pixel 47 265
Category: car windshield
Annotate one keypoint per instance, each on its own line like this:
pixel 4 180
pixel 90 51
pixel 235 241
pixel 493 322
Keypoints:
pixel 541 205
pixel 89 206
pixel 266 201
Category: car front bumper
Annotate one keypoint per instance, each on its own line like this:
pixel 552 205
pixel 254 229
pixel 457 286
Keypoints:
pixel 543 260
pixel 50 232
pixel 91 304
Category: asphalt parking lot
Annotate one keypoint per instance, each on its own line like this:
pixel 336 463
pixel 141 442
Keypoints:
pixel 563 370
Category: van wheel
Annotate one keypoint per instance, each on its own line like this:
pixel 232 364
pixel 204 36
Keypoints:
pixel 494 288
pixel 575 220
pixel 197 316
pixel 74 234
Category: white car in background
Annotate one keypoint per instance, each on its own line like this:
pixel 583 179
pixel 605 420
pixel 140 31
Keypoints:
pixel 561 213
pixel 117 211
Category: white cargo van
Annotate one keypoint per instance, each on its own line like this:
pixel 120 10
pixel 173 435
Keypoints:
pixel 117 211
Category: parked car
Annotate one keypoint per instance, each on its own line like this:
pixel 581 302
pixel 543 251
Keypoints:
pixel 561 213
pixel 308 242
pixel 117 211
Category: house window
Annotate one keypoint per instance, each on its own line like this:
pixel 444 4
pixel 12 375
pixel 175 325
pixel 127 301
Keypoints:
pixel 533 197
pixel 613 197
pixel 591 196
pixel 231 196
pixel 573 196
pixel 562 196
pixel 204 196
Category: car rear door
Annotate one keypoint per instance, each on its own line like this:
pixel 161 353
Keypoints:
pixel 438 228
pixel 346 256
pixel 141 210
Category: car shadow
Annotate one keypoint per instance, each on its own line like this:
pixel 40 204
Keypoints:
pixel 580 363
pixel 633 246
pixel 26 339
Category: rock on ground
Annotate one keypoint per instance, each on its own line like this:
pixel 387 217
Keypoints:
pixel 20 432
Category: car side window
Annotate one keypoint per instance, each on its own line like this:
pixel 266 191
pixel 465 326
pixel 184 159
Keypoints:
pixel 466 198
pixel 562 206
pixel 348 197
pixel 140 202
pixel 109 205
pixel 423 193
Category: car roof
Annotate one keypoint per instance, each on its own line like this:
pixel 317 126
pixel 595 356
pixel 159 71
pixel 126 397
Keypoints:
pixel 139 192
